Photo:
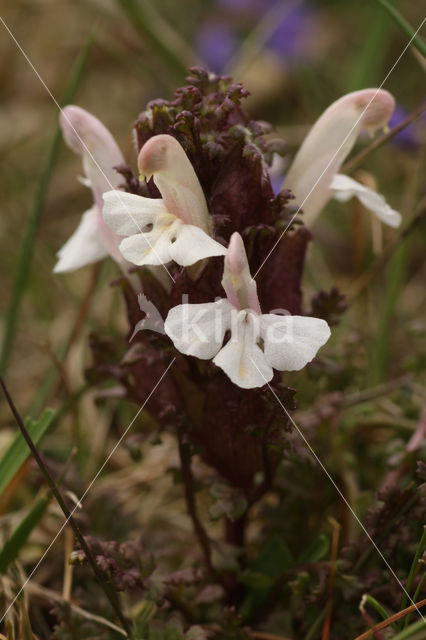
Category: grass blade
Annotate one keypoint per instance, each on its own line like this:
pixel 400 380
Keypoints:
pixel 415 631
pixel 396 616
pixel 414 566
pixel 14 544
pixel 18 451
pixel 375 604
pixel 369 61
pixel 24 264
pixel 382 342
pixel 405 26
pixel 108 589
pixel 160 36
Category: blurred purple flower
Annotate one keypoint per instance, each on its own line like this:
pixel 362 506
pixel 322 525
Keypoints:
pixel 409 138
pixel 290 36
pixel 216 43
pixel 244 4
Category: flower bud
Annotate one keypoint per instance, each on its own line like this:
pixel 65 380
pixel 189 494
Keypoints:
pixel 240 287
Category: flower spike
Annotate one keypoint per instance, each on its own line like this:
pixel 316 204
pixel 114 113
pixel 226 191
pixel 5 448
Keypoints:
pixel 175 227
pixel 258 343
pixel 317 163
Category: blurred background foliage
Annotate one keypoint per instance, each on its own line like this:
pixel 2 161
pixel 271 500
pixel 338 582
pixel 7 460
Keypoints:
pixel 295 58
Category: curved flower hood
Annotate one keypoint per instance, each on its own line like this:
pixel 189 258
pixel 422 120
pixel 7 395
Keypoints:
pixel 175 227
pixel 313 176
pixel 90 139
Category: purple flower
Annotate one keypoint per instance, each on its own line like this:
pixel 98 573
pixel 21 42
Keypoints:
pixel 290 36
pixel 244 4
pixel 409 137
pixel 216 43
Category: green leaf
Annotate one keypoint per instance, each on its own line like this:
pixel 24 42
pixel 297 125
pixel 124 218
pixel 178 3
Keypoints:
pixel 274 557
pixel 256 580
pixel 375 604
pixel 18 451
pixel 19 537
pixel 317 550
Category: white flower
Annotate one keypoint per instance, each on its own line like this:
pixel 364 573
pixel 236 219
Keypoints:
pixel 175 227
pixel 258 342
pixel 313 176
pixel 92 240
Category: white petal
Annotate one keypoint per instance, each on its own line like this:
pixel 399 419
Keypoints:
pixel 128 213
pixel 193 244
pixel 290 342
pixel 344 188
pixel 199 329
pixel 241 358
pixel 87 136
pixel 328 143
pixel 83 247
pixel 152 247
pixel 163 158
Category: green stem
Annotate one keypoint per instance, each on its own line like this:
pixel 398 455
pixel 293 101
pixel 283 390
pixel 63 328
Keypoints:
pixel 316 626
pixel 380 351
pixel 369 60
pixel 412 573
pixel 410 631
pixel 356 160
pixel 417 592
pixel 405 26
pixel 25 259
pixel 376 605
pixel 159 35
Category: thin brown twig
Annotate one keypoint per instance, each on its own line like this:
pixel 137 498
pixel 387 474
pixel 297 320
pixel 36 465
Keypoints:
pixel 365 395
pixel 68 567
pixel 110 594
pixel 356 160
pixel 391 619
pixel 260 635
pixel 369 620
pixel 45 593
pixel 80 320
pixel 79 324
pixel 188 483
